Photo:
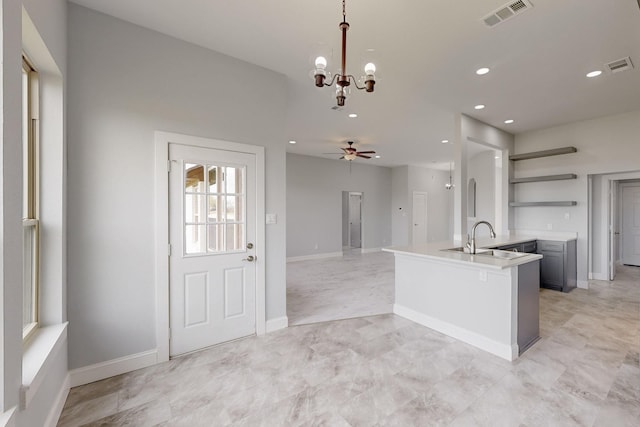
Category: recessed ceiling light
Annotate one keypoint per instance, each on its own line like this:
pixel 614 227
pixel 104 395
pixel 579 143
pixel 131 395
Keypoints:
pixel 482 71
pixel 292 142
pixel 444 141
pixel 508 122
pixel 353 115
pixel 377 157
pixel 479 107
pixel 595 73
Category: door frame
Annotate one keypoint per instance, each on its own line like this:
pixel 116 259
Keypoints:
pixel 361 194
pixel 606 210
pixel 161 191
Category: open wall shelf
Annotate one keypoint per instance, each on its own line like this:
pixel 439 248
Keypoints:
pixel 528 204
pixel 545 153
pixel 543 178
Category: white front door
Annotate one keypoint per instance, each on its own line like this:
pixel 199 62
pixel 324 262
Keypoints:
pixel 419 233
pixel 212 293
pixel 355 220
pixel 631 225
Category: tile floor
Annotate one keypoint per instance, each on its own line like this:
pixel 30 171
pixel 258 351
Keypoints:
pixel 387 371
pixel 355 285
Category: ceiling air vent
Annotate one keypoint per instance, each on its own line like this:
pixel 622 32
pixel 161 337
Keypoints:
pixel 507 11
pixel 623 64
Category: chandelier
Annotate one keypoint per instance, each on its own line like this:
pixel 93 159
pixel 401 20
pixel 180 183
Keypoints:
pixel 341 79
pixel 449 185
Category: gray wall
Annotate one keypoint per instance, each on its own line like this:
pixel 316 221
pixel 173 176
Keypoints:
pixel 469 130
pixel 605 145
pixel 439 202
pixel 482 167
pixel 314 204
pixel 125 82
pixel 406 180
pixel 400 213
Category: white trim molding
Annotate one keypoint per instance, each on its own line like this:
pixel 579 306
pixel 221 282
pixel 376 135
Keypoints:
pixel 505 351
pixel 41 350
pixel 7 418
pixel 315 256
pixel 111 368
pixel 58 404
pixel 584 284
pixel 162 141
pixel 277 324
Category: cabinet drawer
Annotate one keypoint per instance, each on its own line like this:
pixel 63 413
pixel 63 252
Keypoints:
pixel 550 246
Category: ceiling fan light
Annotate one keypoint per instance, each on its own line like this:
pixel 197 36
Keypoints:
pixel 350 156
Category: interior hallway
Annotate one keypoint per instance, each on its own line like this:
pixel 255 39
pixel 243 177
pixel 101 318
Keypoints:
pixel 387 371
pixel 354 285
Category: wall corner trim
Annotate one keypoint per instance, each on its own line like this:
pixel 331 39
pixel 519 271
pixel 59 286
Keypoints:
pixel 58 404
pixel 111 368
pixel 277 324
pixel 584 284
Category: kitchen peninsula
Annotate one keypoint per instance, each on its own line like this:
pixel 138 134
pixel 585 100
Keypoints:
pixel 489 299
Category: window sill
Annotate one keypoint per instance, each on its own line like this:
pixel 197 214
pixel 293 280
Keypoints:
pixel 41 348
pixel 7 418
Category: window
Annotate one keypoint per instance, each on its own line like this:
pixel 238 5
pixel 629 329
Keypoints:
pixel 214 209
pixel 30 221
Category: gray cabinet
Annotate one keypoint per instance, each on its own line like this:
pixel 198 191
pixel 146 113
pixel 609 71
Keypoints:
pixel 528 305
pixel 558 268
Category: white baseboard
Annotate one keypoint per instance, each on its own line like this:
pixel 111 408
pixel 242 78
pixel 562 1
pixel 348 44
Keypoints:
pixel 584 284
pixel 599 276
pixel 111 368
pixel 314 256
pixel 371 250
pixel 277 324
pixel 58 404
pixel 505 351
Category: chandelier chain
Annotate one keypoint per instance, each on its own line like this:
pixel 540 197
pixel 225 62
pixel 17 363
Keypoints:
pixel 344 12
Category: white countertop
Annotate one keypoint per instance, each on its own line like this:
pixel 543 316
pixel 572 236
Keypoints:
pixel 437 251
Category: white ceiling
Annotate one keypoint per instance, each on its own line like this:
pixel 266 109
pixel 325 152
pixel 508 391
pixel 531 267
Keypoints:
pixel 426 53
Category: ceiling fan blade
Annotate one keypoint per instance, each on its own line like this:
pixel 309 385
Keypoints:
pixel 364 157
pixel 366 152
pixel 346 150
pixel 341 158
pixel 332 153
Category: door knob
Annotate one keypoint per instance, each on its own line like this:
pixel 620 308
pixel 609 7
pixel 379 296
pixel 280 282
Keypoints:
pixel 249 245
pixel 250 258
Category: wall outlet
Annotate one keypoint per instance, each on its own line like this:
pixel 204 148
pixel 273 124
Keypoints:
pixel 482 276
pixel 549 226
pixel 567 215
pixel 316 246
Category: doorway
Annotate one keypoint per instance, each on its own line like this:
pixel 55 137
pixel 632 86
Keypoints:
pixel 630 245
pixel 419 218
pixel 211 275
pixel 351 220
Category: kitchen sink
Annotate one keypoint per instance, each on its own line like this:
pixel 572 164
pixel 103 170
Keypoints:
pixel 496 253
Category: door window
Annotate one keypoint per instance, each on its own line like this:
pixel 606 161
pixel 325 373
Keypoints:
pixel 214 209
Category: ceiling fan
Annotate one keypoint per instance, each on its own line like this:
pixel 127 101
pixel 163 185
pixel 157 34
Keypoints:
pixel 350 153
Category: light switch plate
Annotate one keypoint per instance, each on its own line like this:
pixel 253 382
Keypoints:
pixel 272 218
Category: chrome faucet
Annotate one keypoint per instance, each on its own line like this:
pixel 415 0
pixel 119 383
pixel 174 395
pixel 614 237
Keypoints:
pixel 472 244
